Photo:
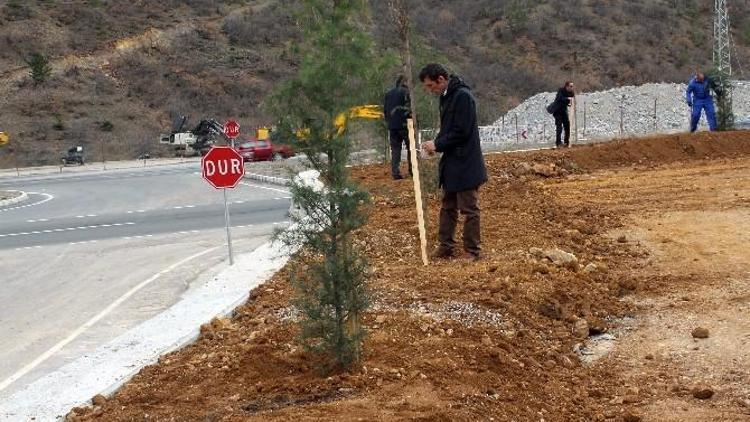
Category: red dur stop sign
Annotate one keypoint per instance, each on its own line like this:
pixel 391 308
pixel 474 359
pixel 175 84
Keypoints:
pixel 231 129
pixel 222 167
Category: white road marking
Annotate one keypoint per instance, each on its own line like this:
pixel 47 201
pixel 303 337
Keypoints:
pixel 80 330
pixel 26 248
pixel 47 198
pixel 129 223
pixel 265 187
pixel 177 208
pixel 41 220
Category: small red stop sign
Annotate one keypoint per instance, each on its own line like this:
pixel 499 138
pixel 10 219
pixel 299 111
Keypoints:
pixel 231 129
pixel 222 167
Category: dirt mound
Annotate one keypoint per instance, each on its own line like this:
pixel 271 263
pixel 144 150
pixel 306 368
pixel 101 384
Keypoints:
pixel 649 151
pixel 451 341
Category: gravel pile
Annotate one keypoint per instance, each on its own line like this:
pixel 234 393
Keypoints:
pixel 619 112
pixel 465 313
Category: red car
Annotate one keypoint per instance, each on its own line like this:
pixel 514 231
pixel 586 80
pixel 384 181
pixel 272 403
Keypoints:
pixel 264 150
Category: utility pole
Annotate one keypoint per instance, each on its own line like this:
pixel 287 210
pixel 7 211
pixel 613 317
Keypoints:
pixel 723 64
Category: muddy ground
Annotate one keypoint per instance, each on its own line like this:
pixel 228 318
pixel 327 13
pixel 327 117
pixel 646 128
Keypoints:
pixel 658 227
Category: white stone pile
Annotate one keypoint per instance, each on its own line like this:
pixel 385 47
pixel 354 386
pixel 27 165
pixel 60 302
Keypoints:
pixel 620 112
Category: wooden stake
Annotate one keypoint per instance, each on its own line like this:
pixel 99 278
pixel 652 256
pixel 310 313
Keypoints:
pixel 575 121
pixel 622 115
pixel 417 191
pixel 584 119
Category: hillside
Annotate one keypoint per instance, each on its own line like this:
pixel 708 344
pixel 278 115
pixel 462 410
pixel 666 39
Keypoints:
pixel 122 70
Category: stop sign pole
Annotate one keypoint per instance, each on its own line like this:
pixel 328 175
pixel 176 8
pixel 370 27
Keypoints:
pixel 223 168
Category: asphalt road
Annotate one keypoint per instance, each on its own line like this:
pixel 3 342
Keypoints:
pixel 85 239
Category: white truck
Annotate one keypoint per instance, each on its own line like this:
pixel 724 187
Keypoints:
pixel 196 141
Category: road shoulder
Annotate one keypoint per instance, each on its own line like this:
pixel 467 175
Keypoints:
pixel 105 370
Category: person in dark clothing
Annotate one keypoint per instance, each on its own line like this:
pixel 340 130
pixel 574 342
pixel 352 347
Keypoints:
pixel 397 110
pixel 559 110
pixel 462 168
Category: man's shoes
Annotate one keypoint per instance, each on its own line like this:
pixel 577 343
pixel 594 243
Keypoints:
pixel 558 145
pixel 441 253
pixel 398 177
pixel 471 257
pixel 567 145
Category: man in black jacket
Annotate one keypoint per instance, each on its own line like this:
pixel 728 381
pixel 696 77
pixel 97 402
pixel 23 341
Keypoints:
pixel 559 110
pixel 462 168
pixel 396 109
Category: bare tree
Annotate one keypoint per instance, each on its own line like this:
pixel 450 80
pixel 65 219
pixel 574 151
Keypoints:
pixel 400 14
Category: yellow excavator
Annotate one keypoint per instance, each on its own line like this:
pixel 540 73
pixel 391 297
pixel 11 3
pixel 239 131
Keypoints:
pixel 340 122
pixel 359 112
pixel 4 138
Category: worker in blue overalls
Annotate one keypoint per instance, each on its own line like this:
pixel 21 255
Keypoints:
pixel 698 96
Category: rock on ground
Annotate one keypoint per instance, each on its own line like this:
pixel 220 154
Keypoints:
pixel 700 332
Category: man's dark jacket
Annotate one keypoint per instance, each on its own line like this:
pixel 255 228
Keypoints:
pixel 396 108
pixel 560 105
pixel 462 165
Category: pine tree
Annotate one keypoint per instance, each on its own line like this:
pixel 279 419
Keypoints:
pixel 722 86
pixel 339 69
pixel 40 68
pixel 724 114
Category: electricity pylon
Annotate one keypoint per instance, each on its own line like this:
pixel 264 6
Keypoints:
pixel 723 64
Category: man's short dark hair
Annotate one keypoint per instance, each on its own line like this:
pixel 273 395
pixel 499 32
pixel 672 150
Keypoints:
pixel 433 71
pixel 400 80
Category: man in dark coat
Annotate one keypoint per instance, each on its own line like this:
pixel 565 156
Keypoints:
pixel 396 109
pixel 559 110
pixel 462 168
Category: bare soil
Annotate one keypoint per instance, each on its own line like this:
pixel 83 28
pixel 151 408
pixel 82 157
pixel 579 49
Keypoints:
pixel 662 221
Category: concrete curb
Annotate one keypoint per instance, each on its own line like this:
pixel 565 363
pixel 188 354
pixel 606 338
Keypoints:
pixel 105 370
pixel 280 181
pixel 20 198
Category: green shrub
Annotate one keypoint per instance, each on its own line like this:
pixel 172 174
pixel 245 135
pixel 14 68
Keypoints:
pixel 40 68
pixel 106 126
